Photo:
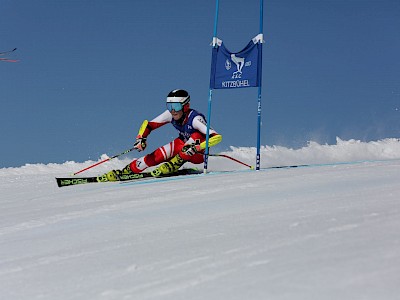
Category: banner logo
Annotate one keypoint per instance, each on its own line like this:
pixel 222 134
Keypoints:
pixel 228 65
pixel 239 62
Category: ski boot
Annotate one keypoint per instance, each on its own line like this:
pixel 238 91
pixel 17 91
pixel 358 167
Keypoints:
pixel 169 167
pixel 116 175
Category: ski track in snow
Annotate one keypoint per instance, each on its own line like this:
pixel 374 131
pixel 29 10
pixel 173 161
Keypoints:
pixel 323 232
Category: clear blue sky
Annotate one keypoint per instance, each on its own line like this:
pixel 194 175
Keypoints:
pixel 91 71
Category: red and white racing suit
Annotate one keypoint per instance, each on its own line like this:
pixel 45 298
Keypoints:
pixel 192 128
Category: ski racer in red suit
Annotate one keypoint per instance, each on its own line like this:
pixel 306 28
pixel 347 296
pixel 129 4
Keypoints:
pixel 188 146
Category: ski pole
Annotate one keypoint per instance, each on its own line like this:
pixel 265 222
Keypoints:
pixel 231 158
pixel 141 131
pixel 103 161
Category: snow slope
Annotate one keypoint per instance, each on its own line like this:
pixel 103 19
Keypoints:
pixel 330 231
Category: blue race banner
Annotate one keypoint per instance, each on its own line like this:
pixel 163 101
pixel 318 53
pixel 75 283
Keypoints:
pixel 236 70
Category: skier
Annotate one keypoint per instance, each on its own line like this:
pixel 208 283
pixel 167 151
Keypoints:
pixel 192 128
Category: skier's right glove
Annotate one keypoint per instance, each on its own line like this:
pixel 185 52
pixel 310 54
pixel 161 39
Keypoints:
pixel 140 143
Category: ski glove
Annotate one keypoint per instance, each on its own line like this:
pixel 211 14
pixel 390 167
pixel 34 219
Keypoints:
pixel 140 143
pixel 192 149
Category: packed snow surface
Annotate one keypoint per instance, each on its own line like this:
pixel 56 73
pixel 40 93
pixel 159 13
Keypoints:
pixel 326 231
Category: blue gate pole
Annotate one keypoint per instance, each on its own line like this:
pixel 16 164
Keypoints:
pixel 258 156
pixel 214 43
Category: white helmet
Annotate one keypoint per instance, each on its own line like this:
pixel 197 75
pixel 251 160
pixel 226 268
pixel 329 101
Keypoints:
pixel 178 100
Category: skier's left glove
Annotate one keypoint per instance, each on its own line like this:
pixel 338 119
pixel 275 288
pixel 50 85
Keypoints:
pixel 192 149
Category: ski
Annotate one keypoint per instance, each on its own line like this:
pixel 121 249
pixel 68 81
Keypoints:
pixel 6 52
pixel 8 59
pixel 70 181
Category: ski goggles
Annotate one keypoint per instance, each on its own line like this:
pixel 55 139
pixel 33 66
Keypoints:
pixel 176 106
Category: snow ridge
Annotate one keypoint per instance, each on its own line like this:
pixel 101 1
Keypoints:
pixel 313 153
